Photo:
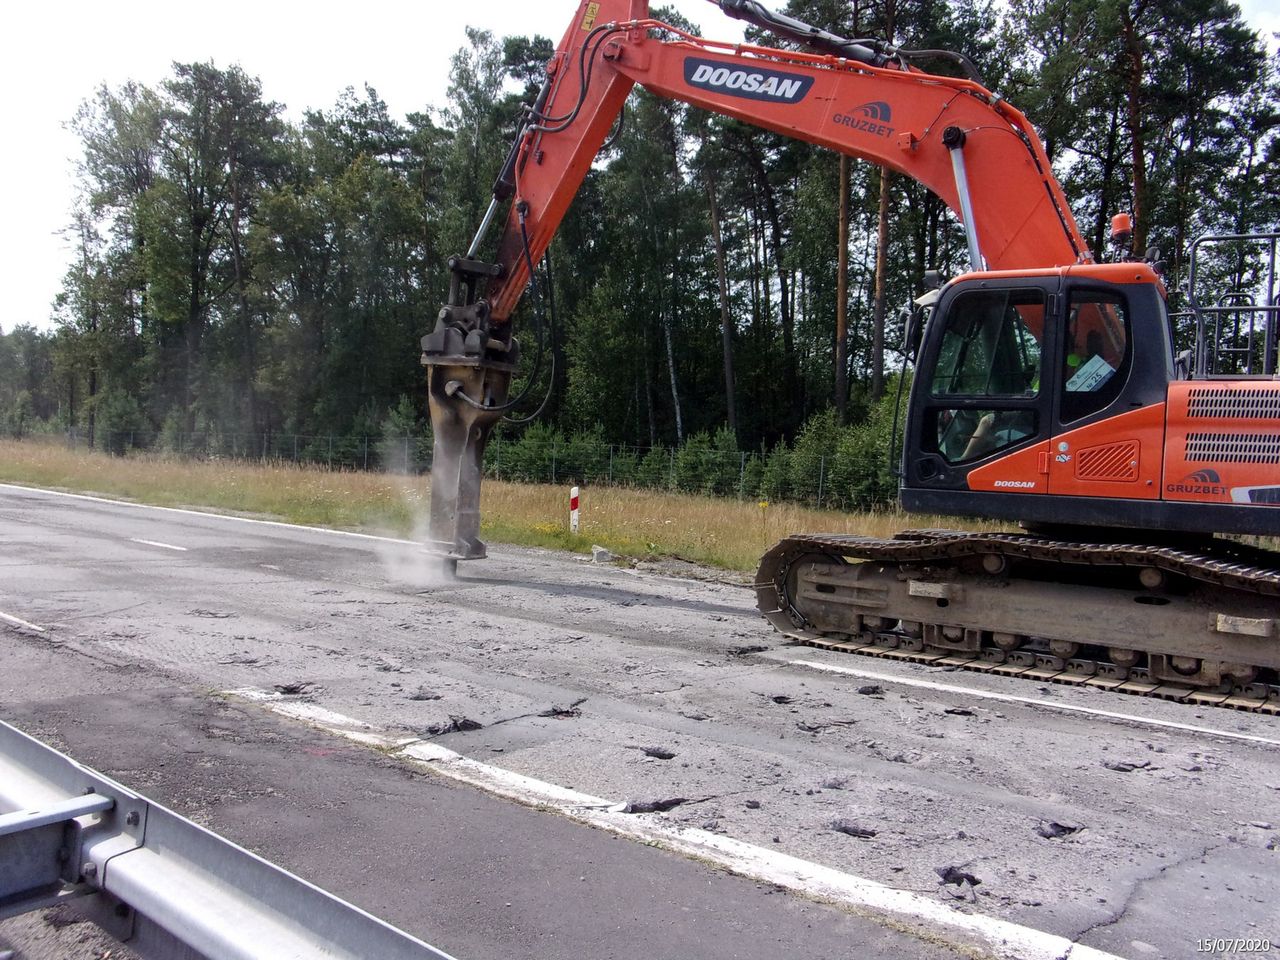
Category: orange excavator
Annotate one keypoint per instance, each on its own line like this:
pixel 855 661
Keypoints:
pixel 1047 391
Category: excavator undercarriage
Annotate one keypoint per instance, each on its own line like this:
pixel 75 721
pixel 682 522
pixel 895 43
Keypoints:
pixel 1197 625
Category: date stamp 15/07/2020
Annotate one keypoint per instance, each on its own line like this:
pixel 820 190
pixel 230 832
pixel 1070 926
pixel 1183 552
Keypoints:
pixel 1231 946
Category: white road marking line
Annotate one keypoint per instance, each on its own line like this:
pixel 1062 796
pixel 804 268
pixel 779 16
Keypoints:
pixel 1009 698
pixel 202 513
pixel 157 543
pixel 1004 938
pixel 19 622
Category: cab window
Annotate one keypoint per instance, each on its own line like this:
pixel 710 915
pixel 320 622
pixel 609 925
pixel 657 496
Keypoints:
pixel 991 345
pixel 1095 355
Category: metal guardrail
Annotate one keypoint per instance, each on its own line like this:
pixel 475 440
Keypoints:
pixel 167 887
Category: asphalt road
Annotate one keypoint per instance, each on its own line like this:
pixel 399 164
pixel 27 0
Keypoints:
pixel 630 685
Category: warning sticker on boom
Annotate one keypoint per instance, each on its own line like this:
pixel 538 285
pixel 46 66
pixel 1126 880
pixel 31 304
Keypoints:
pixel 589 19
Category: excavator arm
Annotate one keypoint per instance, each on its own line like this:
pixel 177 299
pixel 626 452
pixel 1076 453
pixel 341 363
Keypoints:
pixel 863 98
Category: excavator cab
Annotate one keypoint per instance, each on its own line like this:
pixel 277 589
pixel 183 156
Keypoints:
pixel 1051 398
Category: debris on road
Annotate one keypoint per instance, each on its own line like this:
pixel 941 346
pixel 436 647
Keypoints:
pixel 952 876
pixel 453 725
pixel 649 806
pixel 294 689
pixel 564 713
pixel 600 555
pixel 658 753
pixel 1052 830
pixel 871 690
pixel 748 649
pixel 852 829
pixel 422 693
pixel 1128 766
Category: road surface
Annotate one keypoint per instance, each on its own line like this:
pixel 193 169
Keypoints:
pixel 542 714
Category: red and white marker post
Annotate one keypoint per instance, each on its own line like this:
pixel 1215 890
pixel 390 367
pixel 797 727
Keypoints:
pixel 573 510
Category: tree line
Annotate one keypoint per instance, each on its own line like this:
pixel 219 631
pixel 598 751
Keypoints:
pixel 239 272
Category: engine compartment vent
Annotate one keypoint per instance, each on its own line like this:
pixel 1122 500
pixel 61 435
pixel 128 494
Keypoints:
pixel 1234 403
pixel 1233 448
pixel 1114 461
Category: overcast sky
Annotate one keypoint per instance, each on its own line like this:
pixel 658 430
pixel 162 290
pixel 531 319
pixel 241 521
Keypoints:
pixel 55 54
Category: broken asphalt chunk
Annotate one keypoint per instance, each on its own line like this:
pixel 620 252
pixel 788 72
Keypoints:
pixel 871 690
pixel 422 693
pixel 852 829
pixel 956 876
pixel 652 806
pixel 1127 766
pixel 747 650
pixel 453 725
pixel 295 688
pixel 659 753
pixel 1052 830
pixel 562 713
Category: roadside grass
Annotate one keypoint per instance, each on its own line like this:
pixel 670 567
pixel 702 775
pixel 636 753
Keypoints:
pixel 731 534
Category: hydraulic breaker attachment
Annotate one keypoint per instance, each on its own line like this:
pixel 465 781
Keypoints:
pixel 469 362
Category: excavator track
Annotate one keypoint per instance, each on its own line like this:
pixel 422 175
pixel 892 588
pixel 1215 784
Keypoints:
pixel 1197 626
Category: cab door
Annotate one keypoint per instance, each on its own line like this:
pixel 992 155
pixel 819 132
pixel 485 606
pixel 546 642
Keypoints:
pixel 979 388
pixel 1108 435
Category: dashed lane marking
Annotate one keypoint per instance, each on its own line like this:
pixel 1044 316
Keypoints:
pixel 19 622
pixel 1004 938
pixel 1032 701
pixel 157 543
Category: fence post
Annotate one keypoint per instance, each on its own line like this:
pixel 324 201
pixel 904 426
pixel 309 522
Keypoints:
pixel 553 460
pixel 822 472
pixel 365 444
pixel 611 464
pixel 331 451
pixel 295 448
pixel 742 472
pixel 406 455
pixel 671 471
pixel 497 467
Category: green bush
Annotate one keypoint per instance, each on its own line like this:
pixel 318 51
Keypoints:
pixel 654 469
pixel 405 445
pixel 584 457
pixel 861 475
pixel 531 458
pixel 20 417
pixel 118 422
pixel 774 478
pixel 812 456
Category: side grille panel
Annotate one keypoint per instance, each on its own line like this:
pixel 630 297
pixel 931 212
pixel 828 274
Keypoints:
pixel 1233 448
pixel 1234 403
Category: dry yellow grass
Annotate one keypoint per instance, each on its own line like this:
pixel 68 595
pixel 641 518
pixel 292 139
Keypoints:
pixel 726 533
